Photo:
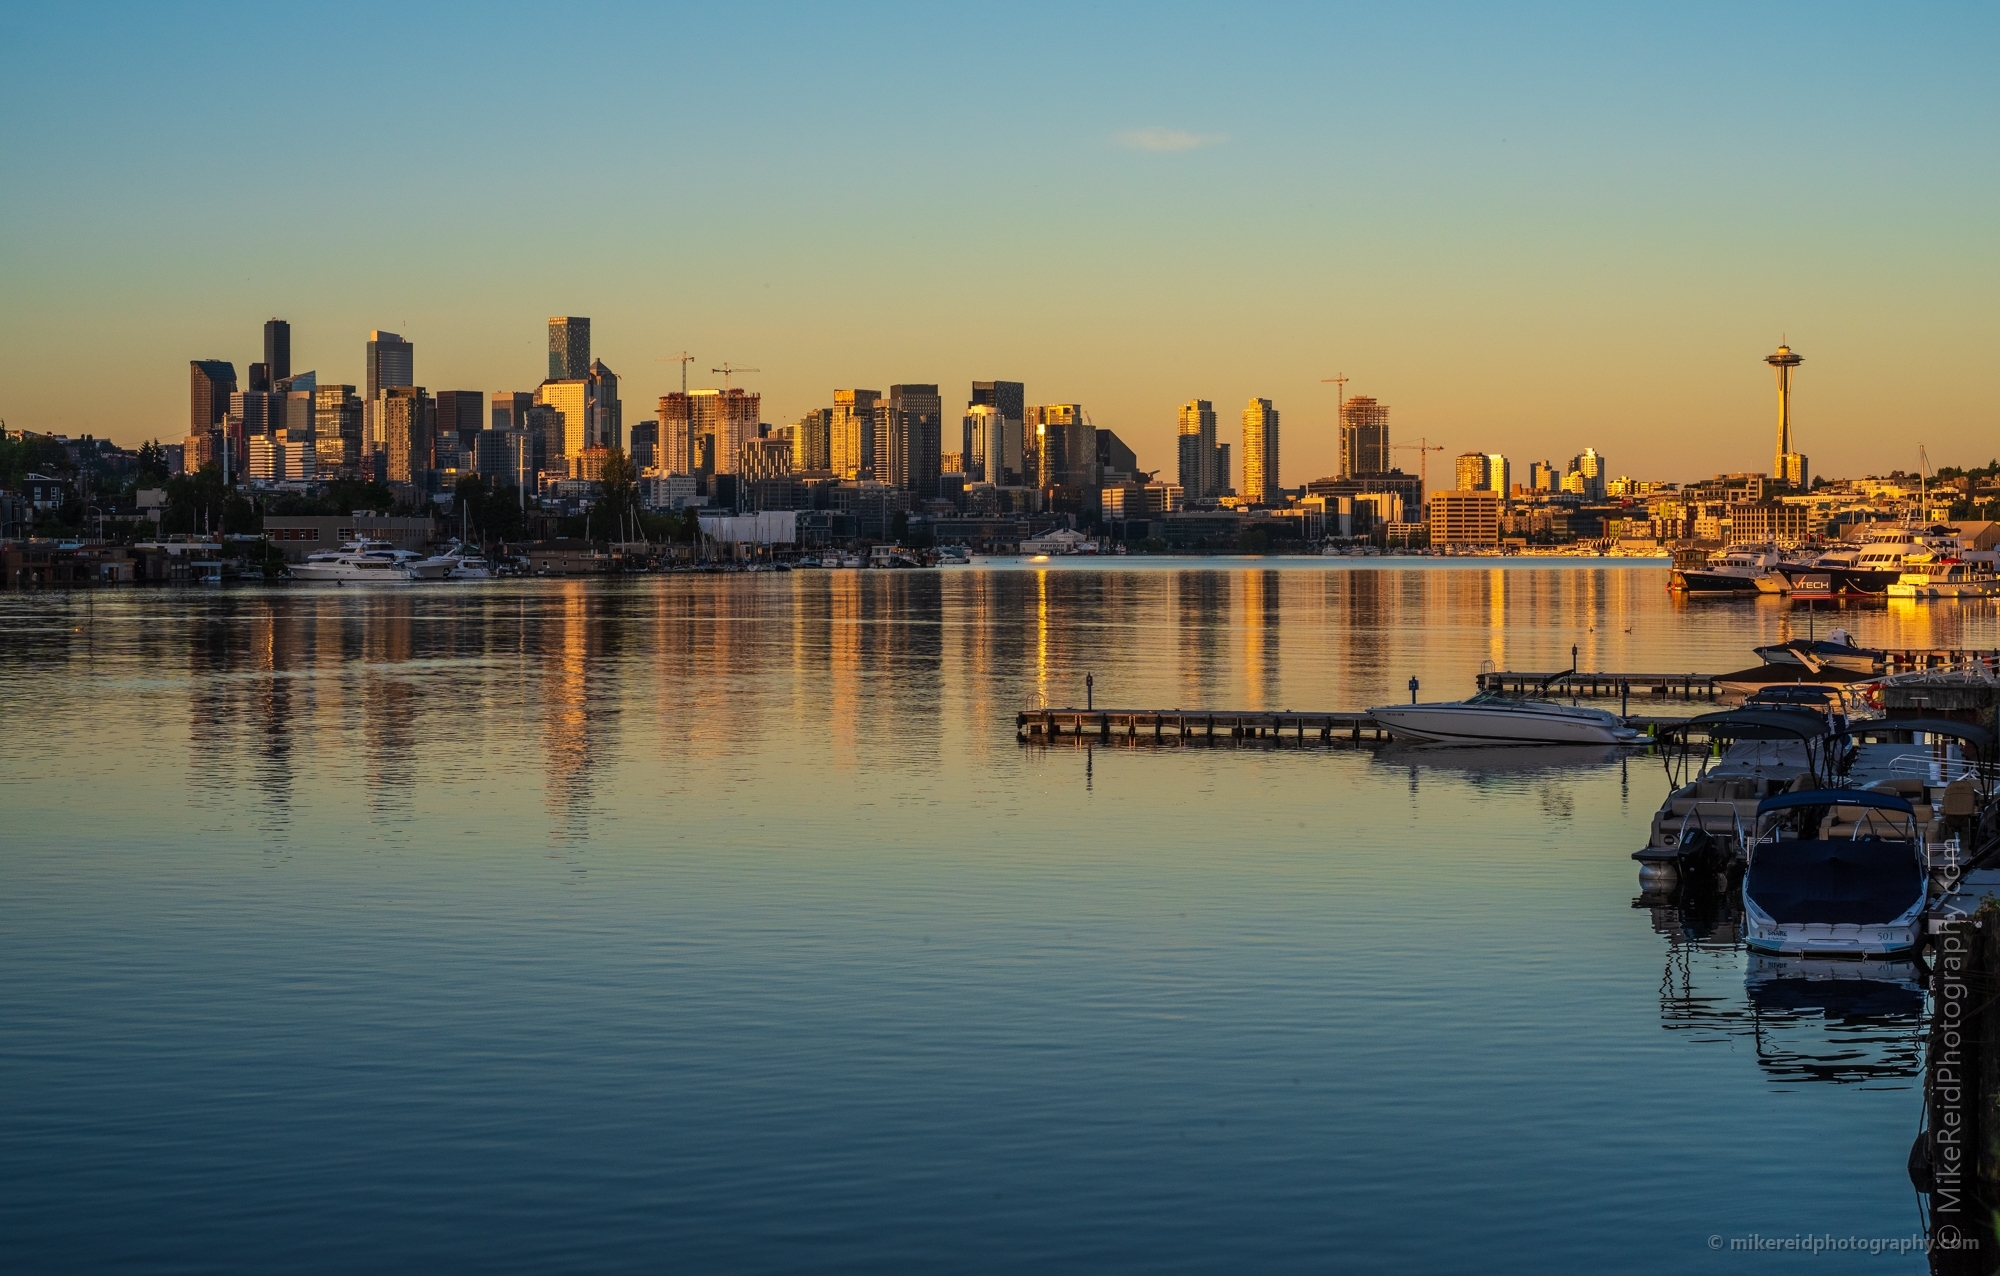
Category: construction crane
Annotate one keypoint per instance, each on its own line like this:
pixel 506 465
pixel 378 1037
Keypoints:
pixel 684 359
pixel 1423 448
pixel 727 371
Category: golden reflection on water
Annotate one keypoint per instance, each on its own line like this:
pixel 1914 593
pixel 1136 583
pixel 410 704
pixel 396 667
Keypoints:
pixel 410 694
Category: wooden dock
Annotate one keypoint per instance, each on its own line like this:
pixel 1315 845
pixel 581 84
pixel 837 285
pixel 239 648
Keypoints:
pixel 1045 726
pixel 1568 682
pixel 1177 726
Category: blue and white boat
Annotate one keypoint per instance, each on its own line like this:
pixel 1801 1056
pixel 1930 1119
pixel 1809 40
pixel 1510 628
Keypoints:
pixel 1835 873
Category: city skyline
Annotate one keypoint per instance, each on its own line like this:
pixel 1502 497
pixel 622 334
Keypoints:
pixel 1465 256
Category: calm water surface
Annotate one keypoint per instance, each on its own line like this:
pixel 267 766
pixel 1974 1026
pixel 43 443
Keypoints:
pixel 721 923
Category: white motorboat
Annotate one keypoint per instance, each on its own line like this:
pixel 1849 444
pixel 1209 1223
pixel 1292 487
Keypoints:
pixel 1836 651
pixel 1491 718
pixel 468 564
pixel 371 560
pixel 1835 873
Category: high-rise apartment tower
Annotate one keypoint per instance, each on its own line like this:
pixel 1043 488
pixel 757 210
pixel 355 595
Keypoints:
pixel 1261 484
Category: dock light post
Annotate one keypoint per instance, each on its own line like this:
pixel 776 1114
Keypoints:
pixel 1572 657
pixel 1413 688
pixel 1089 694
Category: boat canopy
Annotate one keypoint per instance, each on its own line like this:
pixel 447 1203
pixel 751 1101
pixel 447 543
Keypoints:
pixel 1761 722
pixel 1836 797
pixel 1835 883
pixel 1977 737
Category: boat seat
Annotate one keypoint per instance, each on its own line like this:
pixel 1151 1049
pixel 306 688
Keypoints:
pixel 1961 798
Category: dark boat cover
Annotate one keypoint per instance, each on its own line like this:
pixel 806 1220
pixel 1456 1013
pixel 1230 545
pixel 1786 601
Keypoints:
pixel 1855 883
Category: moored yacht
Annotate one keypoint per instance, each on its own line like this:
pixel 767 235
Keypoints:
pixel 1946 579
pixel 370 560
pixel 1735 570
pixel 1491 718
pixel 1880 558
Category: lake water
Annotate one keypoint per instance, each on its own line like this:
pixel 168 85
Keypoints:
pixel 721 923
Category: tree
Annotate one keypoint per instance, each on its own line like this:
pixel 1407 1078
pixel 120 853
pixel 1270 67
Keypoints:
pixel 619 480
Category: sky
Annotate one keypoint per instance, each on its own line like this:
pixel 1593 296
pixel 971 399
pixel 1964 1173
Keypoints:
pixel 1527 229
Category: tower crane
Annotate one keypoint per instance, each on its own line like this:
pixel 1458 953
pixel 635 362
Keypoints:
pixel 1423 447
pixel 727 371
pixel 684 359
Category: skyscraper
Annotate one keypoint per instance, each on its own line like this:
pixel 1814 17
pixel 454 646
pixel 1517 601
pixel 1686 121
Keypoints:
pixel 1197 455
pixel 676 448
pixel 734 413
pixel 510 409
pixel 915 439
pixel 812 441
pixel 1065 446
pixel 1364 437
pixel 1499 475
pixel 210 383
pixel 337 428
pixel 1260 452
pixel 277 349
pixel 461 414
pixel 607 421
pixel 392 361
pixel 405 417
pixel 851 433
pixel 571 398
pixel 569 348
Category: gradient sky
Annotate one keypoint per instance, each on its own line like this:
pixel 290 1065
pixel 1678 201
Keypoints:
pixel 1526 229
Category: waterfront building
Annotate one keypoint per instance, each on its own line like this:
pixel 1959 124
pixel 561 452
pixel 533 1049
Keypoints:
pixel 1261 484
pixel 851 434
pixel 1364 437
pixel 1465 518
pixel 277 350
pixel 461 414
pixel 569 348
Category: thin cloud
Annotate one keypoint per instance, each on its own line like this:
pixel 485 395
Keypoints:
pixel 1167 139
